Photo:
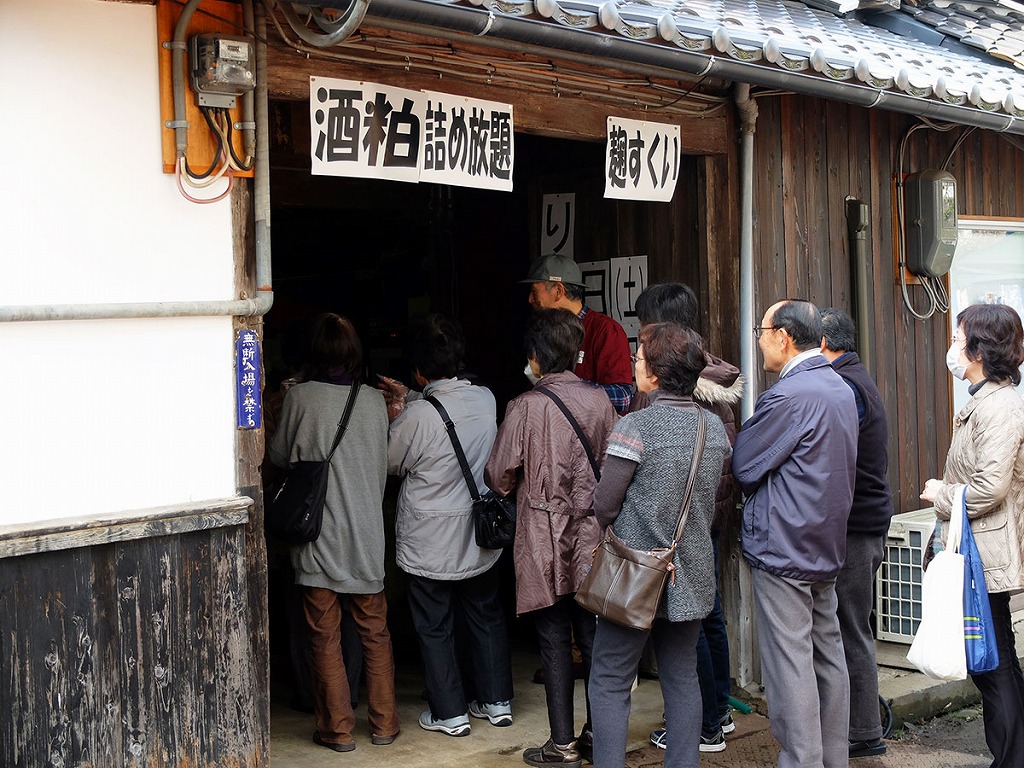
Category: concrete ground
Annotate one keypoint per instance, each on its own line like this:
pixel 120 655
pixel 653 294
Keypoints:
pixel 750 745
pixel 291 744
pixel 913 698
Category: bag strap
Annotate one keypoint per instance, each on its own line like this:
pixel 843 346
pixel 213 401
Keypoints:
pixel 698 450
pixel 575 425
pixel 957 519
pixel 343 424
pixel 459 453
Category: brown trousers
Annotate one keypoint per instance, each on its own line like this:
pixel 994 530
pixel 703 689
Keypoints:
pixel 332 700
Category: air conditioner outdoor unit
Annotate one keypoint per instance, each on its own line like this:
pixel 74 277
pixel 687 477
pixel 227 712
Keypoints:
pixel 898 582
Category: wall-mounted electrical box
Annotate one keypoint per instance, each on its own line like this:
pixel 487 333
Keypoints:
pixel 930 206
pixel 223 67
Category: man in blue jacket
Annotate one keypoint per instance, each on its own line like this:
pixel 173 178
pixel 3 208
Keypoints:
pixel 795 460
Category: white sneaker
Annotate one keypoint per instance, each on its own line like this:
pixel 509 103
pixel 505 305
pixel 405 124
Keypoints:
pixel 499 712
pixel 453 726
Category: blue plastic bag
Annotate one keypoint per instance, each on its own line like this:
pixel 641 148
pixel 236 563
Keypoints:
pixel 979 631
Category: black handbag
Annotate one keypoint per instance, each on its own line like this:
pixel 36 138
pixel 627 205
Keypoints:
pixel 494 516
pixel 296 513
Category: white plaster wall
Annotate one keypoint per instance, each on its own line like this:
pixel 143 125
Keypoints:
pixel 103 416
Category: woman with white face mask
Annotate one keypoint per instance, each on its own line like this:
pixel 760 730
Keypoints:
pixel 987 455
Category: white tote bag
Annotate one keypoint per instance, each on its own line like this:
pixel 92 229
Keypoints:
pixel 938 647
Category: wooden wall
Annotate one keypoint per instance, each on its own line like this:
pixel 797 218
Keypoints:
pixel 811 154
pixel 136 653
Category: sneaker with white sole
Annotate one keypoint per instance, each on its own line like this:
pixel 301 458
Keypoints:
pixel 499 713
pixel 453 726
pixel 728 726
pixel 659 738
pixel 714 743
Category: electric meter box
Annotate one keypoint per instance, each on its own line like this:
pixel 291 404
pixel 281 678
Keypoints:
pixel 223 67
pixel 931 222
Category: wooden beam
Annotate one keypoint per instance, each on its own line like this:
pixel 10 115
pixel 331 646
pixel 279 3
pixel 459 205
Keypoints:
pixel 74 532
pixel 537 111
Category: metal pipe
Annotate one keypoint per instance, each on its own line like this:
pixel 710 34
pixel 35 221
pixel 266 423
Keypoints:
pixel 428 17
pixel 177 47
pixel 857 223
pixel 350 22
pixel 264 299
pixel 747 108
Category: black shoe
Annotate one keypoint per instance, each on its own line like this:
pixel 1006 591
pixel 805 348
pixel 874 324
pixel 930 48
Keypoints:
pixel 347 746
pixel 867 748
pixel 585 745
pixel 566 756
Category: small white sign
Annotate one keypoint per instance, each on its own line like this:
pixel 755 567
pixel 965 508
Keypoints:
pixel 558 224
pixel 641 160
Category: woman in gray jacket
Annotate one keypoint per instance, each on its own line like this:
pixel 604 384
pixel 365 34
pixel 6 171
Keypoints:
pixel 348 557
pixel 641 491
pixel 987 455
pixel 451 580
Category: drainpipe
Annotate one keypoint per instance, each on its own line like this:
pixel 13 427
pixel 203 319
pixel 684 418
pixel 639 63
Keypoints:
pixel 748 355
pixel 245 307
pixel 742 636
pixel 857 224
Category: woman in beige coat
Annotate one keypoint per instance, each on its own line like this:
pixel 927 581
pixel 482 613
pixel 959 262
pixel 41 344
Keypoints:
pixel 987 455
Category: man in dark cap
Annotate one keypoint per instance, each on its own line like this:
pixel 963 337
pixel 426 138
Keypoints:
pixel 556 282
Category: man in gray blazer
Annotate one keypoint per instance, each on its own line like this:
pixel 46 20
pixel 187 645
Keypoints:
pixel 795 461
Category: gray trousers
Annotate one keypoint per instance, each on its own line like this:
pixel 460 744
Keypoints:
pixel 803 669
pixel 613 667
pixel 856 599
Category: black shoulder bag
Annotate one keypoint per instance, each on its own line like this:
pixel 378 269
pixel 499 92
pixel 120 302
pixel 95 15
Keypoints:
pixel 296 514
pixel 494 516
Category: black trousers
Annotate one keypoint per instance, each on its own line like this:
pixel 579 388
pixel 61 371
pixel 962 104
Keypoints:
pixel 472 605
pixel 557 626
pixel 1002 692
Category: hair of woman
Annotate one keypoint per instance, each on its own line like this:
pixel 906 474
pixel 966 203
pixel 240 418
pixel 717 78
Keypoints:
pixel 554 338
pixel 993 335
pixel 675 354
pixel 335 349
pixel 437 347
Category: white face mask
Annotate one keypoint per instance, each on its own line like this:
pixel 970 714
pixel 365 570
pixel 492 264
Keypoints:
pixel 958 369
pixel 530 374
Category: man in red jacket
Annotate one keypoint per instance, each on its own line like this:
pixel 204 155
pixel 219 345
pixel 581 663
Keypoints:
pixel 557 283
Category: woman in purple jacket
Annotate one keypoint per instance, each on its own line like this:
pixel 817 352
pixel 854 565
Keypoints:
pixel 538 456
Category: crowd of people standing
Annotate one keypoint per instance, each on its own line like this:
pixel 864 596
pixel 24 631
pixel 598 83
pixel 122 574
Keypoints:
pixel 584 449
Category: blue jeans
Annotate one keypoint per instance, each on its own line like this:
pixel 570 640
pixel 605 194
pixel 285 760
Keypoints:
pixel 713 661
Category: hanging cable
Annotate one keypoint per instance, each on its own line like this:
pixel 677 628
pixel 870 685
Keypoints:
pixel 202 201
pixel 238 165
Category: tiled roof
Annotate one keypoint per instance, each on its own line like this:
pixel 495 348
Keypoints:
pixel 997 28
pixel 794 37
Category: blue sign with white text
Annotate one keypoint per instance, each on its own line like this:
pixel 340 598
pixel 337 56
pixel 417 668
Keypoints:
pixel 247 380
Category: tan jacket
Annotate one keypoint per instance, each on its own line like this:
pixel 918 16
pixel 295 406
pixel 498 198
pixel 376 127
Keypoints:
pixel 987 454
pixel 538 457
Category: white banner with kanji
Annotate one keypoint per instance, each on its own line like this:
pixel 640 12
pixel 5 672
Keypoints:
pixel 641 160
